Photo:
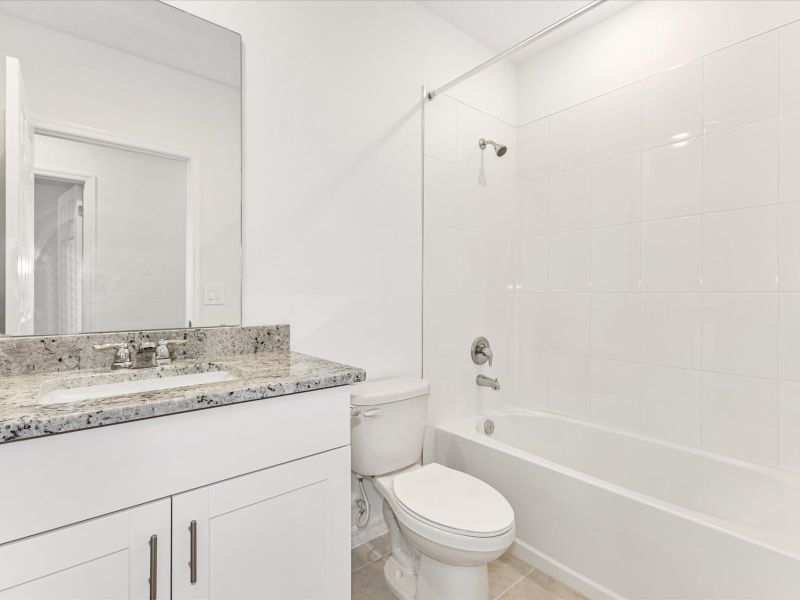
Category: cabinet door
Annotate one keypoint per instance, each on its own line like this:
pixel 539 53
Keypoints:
pixel 283 532
pixel 107 558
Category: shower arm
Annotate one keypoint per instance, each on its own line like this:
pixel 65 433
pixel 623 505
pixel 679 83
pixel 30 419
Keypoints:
pixel 539 34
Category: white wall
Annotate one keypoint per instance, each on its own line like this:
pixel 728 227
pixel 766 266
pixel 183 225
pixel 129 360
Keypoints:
pixel 140 233
pixel 659 227
pixel 333 168
pixel 71 80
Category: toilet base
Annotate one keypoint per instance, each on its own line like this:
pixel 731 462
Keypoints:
pixel 439 581
pixel 402 583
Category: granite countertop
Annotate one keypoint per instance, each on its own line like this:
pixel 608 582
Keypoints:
pixel 258 375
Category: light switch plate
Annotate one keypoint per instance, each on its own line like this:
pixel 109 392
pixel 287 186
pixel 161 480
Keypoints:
pixel 214 293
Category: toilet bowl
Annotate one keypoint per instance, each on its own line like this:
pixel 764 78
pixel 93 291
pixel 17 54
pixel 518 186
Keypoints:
pixel 444 525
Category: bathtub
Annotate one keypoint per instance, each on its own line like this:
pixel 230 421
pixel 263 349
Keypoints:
pixel 621 515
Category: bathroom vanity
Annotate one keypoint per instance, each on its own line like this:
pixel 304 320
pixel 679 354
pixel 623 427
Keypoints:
pixel 239 488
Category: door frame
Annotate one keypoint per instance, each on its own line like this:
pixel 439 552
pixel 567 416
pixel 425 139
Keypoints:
pixel 89 254
pixel 194 208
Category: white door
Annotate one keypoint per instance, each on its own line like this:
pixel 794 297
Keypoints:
pixel 70 260
pixel 283 532
pixel 19 205
pixel 108 558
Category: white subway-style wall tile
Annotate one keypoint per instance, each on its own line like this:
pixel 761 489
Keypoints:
pixel 616 258
pixel 531 370
pixel 616 190
pixel 444 404
pixel 614 399
pixel 741 83
pixel 440 326
pixel 740 417
pixel 569 385
pixel 671 255
pixel 740 167
pixel 569 138
pixel 486 315
pixel 789 420
pixel 616 123
pixel 616 326
pixel 533 321
pixel 740 334
pixel 790 157
pixel 569 261
pixel 569 324
pixel 570 200
pixel 740 250
pixel 672 180
pixel 533 153
pixel 671 330
pixel 533 200
pixel 789 246
pixel 671 402
pixel 790 67
pixel 789 335
pixel 471 128
pixel 533 263
pixel 441 129
pixel 672 105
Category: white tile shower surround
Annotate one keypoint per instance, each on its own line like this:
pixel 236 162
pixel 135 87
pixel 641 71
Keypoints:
pixel 470 227
pixel 657 282
pixel 509 577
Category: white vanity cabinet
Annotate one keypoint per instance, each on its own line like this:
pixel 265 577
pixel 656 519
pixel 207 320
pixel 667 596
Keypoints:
pixel 269 534
pixel 264 484
pixel 118 556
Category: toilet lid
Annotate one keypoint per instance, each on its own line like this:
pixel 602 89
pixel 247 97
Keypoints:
pixel 454 501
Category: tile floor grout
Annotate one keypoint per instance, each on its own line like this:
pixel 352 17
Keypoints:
pixel 382 557
pixel 508 589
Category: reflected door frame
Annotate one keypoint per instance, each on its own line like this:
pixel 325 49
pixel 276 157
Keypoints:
pixel 193 160
pixel 89 254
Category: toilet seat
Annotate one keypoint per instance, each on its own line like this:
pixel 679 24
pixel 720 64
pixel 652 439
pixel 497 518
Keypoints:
pixel 452 501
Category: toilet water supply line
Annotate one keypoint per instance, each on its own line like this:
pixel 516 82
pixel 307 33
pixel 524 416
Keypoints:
pixel 362 504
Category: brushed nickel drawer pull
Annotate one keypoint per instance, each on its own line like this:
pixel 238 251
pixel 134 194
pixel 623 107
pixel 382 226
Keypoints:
pixel 153 567
pixel 193 552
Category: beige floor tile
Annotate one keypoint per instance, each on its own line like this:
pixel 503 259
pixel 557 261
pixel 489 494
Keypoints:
pixel 505 572
pixel 368 583
pixel 563 591
pixel 538 586
pixel 369 552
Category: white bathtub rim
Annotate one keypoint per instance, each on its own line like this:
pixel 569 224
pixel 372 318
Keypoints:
pixel 774 542
pixel 791 477
pixel 580 583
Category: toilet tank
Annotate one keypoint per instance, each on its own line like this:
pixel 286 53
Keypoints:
pixel 386 433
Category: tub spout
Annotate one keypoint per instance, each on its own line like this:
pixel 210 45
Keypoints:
pixel 484 381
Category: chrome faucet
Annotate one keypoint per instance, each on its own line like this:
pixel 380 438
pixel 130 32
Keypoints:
pixel 481 351
pixel 484 381
pixel 146 356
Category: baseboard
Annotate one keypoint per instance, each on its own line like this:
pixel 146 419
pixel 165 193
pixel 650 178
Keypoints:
pixel 578 582
pixel 375 528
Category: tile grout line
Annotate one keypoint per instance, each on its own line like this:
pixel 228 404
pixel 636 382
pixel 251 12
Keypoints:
pixel 505 591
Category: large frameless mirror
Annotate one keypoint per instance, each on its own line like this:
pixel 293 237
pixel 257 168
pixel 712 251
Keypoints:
pixel 121 168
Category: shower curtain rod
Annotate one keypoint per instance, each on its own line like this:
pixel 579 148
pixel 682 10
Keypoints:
pixel 539 34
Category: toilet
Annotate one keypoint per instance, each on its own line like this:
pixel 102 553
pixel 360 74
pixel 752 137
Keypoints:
pixel 444 525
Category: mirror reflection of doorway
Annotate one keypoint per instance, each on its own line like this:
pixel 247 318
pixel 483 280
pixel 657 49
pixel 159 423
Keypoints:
pixel 58 255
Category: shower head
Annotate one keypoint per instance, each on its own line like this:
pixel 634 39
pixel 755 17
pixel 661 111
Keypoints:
pixel 499 149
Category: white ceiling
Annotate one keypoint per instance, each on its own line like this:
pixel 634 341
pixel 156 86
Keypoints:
pixel 499 24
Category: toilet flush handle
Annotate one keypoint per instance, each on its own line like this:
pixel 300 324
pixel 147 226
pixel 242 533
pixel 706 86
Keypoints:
pixel 374 413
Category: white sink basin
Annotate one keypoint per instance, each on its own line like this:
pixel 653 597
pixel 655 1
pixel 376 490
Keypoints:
pixel 103 390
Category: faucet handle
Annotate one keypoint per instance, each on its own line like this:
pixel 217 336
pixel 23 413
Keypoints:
pixel 122 355
pixel 481 351
pixel 162 350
